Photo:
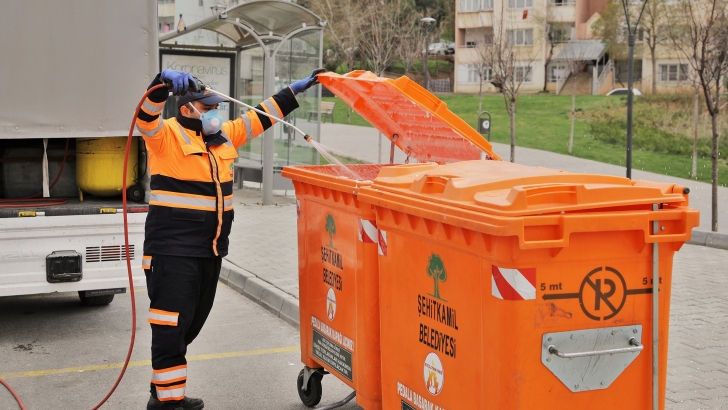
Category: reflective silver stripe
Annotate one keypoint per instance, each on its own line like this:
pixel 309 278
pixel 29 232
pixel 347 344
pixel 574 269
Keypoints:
pixel 171 393
pixel 184 134
pixel 152 109
pixel 182 200
pixel 146 263
pixel 163 317
pixel 228 203
pixel 167 376
pixel 272 110
pixel 150 133
pixel 228 143
pixel 248 127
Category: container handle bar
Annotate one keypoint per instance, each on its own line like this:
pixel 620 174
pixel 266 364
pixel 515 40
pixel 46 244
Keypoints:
pixel 636 347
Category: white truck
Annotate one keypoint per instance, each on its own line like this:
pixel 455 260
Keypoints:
pixel 71 71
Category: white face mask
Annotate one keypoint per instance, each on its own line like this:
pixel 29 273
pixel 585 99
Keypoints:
pixel 211 120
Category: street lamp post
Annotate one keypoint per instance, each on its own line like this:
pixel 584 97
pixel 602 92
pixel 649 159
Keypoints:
pixel 427 21
pixel 632 37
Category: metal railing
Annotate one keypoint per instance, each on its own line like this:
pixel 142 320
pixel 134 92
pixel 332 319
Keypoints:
pixel 602 77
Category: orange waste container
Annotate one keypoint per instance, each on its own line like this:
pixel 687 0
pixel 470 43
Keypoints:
pixel 504 286
pixel 338 237
pixel 338 280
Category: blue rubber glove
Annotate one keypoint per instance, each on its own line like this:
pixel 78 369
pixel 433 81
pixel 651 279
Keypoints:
pixel 303 85
pixel 180 81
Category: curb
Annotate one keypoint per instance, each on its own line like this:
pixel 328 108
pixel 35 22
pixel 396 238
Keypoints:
pixel 709 239
pixel 263 293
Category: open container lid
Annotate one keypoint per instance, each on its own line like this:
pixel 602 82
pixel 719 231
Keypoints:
pixel 512 190
pixel 426 130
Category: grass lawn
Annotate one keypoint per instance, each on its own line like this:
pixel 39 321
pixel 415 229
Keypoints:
pixel 542 122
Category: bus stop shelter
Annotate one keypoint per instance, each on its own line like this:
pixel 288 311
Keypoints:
pixel 271 43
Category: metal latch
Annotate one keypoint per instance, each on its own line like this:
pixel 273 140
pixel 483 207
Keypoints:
pixel 591 359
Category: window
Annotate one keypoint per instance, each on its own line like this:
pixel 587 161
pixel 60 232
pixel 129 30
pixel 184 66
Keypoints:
pixel 559 3
pixel 673 72
pixel 557 71
pixel 519 4
pixel 475 5
pixel 474 73
pixel 520 37
pixel 522 74
pixel 561 33
pixel 469 74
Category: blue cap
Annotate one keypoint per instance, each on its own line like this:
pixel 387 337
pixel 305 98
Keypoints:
pixel 206 98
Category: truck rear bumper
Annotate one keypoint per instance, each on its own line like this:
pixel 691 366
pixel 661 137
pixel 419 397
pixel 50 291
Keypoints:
pixel 26 242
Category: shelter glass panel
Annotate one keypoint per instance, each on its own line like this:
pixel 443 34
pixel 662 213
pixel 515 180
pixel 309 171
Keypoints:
pixel 296 59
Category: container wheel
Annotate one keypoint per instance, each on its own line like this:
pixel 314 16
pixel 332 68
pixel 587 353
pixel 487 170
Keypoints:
pixel 135 193
pixel 101 300
pixel 312 395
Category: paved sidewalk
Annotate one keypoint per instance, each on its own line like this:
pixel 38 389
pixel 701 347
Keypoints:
pixel 262 265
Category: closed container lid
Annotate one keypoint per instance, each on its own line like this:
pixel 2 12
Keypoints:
pixel 421 124
pixel 507 189
pixel 505 199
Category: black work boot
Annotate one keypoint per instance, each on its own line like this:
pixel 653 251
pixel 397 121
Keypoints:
pixel 188 403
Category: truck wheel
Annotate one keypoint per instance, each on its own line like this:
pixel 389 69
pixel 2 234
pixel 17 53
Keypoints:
pixel 135 193
pixel 312 395
pixel 95 300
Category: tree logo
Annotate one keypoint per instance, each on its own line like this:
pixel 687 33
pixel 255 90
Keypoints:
pixel 331 229
pixel 436 270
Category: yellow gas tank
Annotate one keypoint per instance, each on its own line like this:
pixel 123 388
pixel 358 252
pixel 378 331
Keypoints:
pixel 100 163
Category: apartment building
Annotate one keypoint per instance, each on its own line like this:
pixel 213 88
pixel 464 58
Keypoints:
pixel 525 23
pixel 570 31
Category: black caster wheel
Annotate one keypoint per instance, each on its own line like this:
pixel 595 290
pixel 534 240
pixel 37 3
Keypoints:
pixel 312 395
pixel 135 193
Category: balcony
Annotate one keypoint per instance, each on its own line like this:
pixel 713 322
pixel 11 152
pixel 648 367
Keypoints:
pixel 466 55
pixel 165 9
pixel 565 13
pixel 475 19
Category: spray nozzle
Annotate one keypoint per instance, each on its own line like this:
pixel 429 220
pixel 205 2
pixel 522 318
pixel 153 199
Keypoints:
pixel 307 138
pixel 195 87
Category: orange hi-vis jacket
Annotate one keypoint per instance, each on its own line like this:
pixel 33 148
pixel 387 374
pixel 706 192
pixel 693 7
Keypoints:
pixel 191 202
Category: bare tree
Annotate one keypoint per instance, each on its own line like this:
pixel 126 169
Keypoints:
pixel 552 36
pixel 381 32
pixel 654 24
pixel 510 57
pixel 611 27
pixel 696 124
pixel 343 30
pixel 381 35
pixel 482 47
pixel 412 39
pixel 700 35
pixel 574 62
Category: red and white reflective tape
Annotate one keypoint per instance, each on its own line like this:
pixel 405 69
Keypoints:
pixel 514 284
pixel 382 243
pixel 368 232
pixel 298 209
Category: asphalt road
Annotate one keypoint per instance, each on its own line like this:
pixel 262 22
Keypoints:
pixel 245 357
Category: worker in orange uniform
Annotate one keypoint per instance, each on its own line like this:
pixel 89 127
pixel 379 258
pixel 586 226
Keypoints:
pixel 190 215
